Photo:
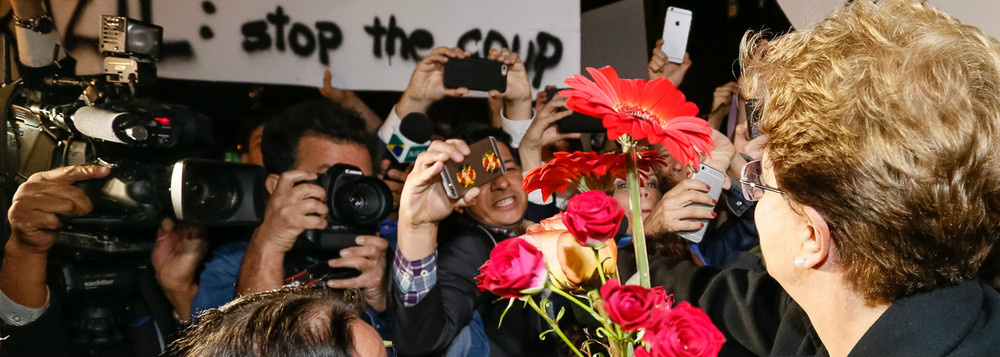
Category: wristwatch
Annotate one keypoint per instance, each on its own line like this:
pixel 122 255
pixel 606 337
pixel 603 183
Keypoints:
pixel 42 24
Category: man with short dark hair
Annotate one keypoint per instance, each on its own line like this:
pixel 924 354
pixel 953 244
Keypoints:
pixel 305 140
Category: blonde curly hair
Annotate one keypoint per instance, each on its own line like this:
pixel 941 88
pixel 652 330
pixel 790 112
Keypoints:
pixel 885 119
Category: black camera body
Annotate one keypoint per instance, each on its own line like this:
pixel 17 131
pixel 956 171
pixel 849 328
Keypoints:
pixel 192 190
pixel 357 204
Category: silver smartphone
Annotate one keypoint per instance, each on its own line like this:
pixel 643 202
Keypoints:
pixel 676 27
pixel 714 179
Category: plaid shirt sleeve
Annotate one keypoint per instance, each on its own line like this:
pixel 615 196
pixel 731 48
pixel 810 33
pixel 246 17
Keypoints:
pixel 414 278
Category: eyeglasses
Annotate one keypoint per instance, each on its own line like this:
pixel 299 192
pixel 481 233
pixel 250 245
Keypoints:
pixel 753 189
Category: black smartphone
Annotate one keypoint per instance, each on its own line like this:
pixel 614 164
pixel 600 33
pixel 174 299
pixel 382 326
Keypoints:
pixel 483 164
pixel 576 122
pixel 475 74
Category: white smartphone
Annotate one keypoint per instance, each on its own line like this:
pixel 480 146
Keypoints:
pixel 714 179
pixel 675 33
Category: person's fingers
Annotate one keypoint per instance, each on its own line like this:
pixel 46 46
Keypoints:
pixel 361 281
pixel 306 191
pixel 691 184
pixel 456 92
pixel 692 197
pixel 374 241
pixel 493 54
pixel 167 225
pixel 310 208
pixel 570 136
pixel 686 63
pixel 53 204
pixel 70 174
pixel 396 175
pixel 554 117
pixel 740 130
pixel 695 213
pixel 327 81
pixel 360 251
pixel 684 226
pixel 288 179
pixel 469 198
pixel 461 145
pixel 356 262
pixel 384 165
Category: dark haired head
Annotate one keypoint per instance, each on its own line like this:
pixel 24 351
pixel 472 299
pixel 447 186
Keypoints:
pixel 318 117
pixel 291 321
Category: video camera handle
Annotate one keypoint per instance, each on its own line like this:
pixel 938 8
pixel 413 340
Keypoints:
pixel 111 196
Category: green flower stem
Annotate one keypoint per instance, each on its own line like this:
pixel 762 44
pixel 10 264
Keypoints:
pixel 638 235
pixel 555 326
pixel 604 321
pixel 600 265
pixel 574 300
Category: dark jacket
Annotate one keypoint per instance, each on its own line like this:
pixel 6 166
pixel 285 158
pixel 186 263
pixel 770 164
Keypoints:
pixel 429 327
pixel 759 318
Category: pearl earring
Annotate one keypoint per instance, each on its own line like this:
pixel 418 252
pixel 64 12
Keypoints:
pixel 800 262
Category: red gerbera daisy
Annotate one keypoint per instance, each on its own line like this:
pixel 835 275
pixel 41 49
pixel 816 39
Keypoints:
pixel 599 171
pixel 653 110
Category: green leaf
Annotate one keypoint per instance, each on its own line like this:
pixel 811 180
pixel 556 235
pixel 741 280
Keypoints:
pixel 560 314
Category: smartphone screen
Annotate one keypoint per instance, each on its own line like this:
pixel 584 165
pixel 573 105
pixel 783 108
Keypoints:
pixel 675 33
pixel 483 164
pixel 475 74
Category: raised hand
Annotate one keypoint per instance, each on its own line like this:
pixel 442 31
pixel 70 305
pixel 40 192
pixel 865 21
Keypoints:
pixel 661 67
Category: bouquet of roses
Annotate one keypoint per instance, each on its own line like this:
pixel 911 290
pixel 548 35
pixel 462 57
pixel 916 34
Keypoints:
pixel 634 319
pixel 574 252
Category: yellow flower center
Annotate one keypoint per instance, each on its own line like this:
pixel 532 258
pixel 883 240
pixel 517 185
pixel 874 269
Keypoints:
pixel 636 111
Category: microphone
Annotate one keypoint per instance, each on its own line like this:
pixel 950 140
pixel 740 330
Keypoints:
pixel 107 125
pixel 411 138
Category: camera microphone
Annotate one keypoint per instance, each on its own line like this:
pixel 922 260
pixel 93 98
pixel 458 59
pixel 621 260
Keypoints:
pixel 411 138
pixel 108 125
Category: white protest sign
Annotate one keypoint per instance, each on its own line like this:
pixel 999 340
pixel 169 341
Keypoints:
pixel 368 45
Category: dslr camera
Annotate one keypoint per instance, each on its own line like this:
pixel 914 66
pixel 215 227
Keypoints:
pixel 357 203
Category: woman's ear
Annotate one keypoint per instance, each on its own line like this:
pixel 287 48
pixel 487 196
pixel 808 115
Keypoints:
pixel 818 247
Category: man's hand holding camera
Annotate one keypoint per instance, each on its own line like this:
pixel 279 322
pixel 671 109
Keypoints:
pixel 424 202
pixel 176 254
pixel 517 97
pixel 369 258
pixel 291 209
pixel 427 82
pixel 34 224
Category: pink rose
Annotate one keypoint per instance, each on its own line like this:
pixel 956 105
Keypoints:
pixel 516 268
pixel 632 306
pixel 684 331
pixel 593 218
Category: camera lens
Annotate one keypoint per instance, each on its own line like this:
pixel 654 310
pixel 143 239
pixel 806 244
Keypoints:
pixel 364 200
pixel 210 196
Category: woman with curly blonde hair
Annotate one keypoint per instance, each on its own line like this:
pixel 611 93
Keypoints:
pixel 878 190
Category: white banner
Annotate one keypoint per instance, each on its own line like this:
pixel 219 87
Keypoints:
pixel 368 45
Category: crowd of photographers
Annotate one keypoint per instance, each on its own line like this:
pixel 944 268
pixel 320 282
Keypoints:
pixel 406 288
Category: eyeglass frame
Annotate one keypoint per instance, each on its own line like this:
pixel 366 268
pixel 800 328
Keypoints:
pixel 748 185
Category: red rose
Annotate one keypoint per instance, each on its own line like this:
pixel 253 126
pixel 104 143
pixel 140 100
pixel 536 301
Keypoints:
pixel 593 218
pixel 683 331
pixel 632 306
pixel 516 268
